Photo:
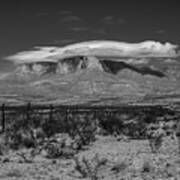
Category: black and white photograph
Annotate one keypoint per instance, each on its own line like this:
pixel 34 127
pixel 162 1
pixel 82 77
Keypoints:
pixel 90 90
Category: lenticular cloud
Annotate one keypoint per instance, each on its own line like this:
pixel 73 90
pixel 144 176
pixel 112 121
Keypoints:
pixel 96 48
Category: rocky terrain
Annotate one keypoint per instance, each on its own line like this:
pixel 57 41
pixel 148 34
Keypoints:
pixel 128 144
pixel 124 159
pixel 95 73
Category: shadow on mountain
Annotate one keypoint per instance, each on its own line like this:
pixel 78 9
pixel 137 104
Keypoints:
pixel 114 67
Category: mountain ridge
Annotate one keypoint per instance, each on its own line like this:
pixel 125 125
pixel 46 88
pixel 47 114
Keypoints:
pixel 83 78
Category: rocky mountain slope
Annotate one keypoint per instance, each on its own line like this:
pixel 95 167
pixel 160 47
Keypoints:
pixel 111 74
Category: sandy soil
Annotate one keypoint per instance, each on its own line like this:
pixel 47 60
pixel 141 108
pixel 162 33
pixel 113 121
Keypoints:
pixel 125 160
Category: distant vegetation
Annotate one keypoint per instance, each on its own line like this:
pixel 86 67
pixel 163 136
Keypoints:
pixel 67 132
pixel 26 127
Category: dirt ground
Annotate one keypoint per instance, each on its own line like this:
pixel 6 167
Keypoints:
pixel 123 160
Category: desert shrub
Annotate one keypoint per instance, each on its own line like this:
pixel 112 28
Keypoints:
pixel 155 134
pixel 13 173
pixel 26 157
pixel 117 168
pixel 89 168
pixel 55 124
pixel 28 133
pixel 4 147
pixel 112 124
pixel 25 133
pixel 178 135
pixel 82 127
pixel 19 134
pixel 134 128
pixel 147 167
pixel 38 133
pixel 131 125
pixel 17 130
pixel 54 150
pixel 20 138
pixel 170 128
pixel 60 145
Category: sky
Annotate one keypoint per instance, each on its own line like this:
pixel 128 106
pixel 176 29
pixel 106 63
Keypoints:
pixel 27 23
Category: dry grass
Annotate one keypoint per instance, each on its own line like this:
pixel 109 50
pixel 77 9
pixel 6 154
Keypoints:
pixel 13 173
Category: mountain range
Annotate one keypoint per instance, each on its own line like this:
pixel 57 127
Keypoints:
pixel 95 73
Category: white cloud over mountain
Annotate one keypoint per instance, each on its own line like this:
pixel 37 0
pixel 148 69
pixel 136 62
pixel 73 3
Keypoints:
pixel 96 48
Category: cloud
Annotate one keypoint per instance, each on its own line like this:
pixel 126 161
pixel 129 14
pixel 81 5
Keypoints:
pixel 64 41
pixel 113 20
pixel 108 18
pixel 121 21
pixel 98 31
pixel 42 14
pixel 160 31
pixel 35 55
pixel 78 29
pixel 64 12
pixel 70 18
pixel 97 48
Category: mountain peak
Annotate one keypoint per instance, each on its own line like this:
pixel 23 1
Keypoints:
pixel 93 63
pixel 95 70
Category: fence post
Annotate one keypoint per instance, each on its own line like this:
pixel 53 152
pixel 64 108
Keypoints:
pixel 96 118
pixel 27 120
pixel 67 114
pixel 3 117
pixel 51 113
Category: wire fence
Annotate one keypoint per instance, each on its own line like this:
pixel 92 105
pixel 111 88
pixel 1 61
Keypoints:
pixel 29 113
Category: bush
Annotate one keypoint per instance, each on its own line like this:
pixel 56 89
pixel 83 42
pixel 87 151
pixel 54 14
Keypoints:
pixel 19 134
pixel 89 168
pixel 13 173
pixel 155 134
pixel 178 135
pixel 60 145
pixel 111 124
pixel 82 128
pixel 147 167
pixel 119 167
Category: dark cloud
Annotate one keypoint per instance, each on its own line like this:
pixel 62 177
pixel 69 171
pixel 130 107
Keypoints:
pixel 89 30
pixel 78 29
pixel 108 19
pixel 99 31
pixel 64 12
pixel 42 14
pixel 121 21
pixel 70 18
pixel 160 31
pixel 113 20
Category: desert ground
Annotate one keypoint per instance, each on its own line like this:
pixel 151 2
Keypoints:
pixel 108 157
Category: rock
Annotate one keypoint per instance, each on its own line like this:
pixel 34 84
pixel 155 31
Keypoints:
pixel 5 160
pixel 44 153
pixel 139 164
pixel 38 133
pixel 68 152
pixel 36 68
pixel 123 138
